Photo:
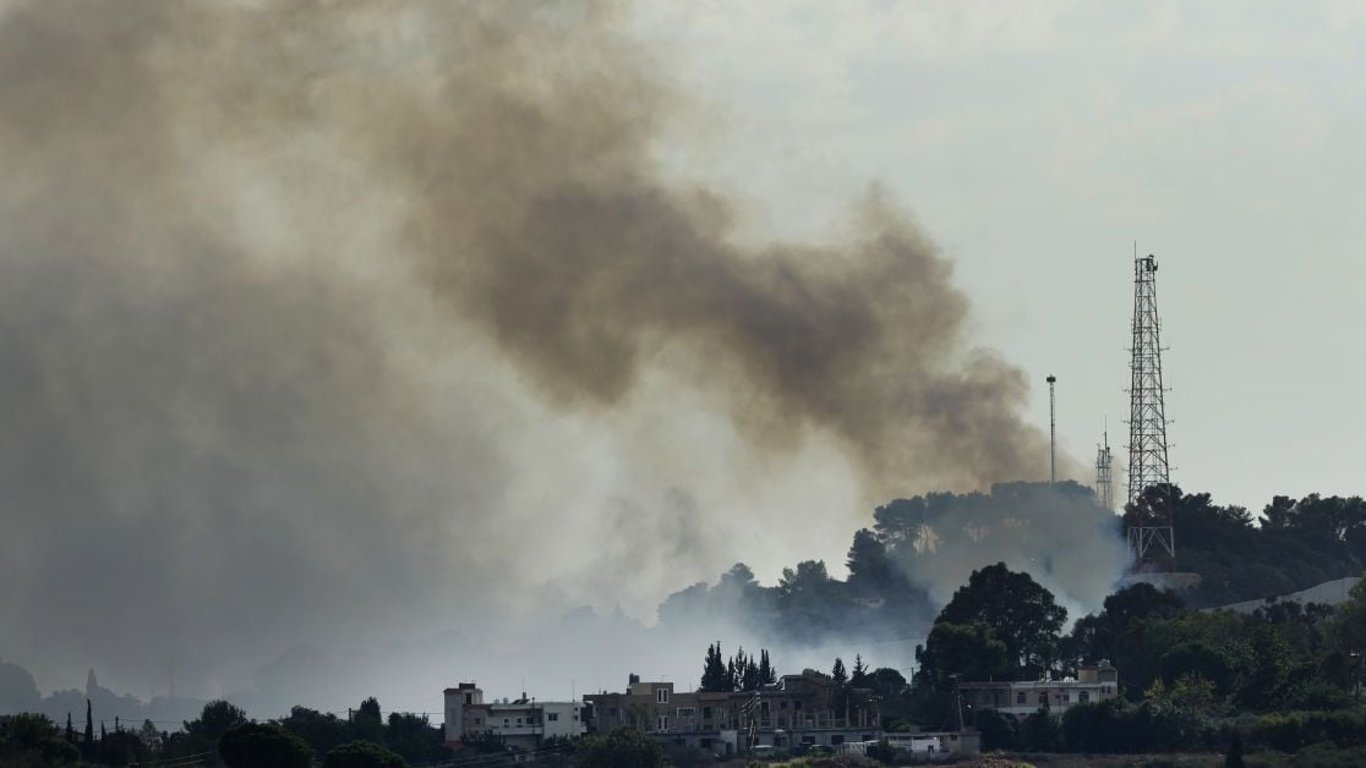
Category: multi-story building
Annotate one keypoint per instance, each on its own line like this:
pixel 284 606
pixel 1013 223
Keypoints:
pixel 523 724
pixel 799 709
pixel 1020 698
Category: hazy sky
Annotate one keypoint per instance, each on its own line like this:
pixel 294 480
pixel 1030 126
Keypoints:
pixel 1036 142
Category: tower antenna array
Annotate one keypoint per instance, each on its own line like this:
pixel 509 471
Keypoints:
pixel 1151 537
pixel 1105 489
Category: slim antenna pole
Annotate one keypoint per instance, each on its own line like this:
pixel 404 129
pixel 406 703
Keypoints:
pixel 1052 431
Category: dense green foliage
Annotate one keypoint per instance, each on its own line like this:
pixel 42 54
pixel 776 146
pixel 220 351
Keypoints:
pixel 624 748
pixel 1285 677
pixel 362 754
pixel 257 745
pixel 1299 544
pixel 222 735
pixel 30 739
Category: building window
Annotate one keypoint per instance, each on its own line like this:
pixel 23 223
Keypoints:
pixel 477 721
pixel 469 698
pixel 1020 698
pixel 662 696
pixel 782 705
pixel 662 723
pixel 836 740
pixel 797 704
pixel 506 722
pixel 706 713
pixel 519 721
pixel 687 711
pixel 1084 696
pixel 554 717
pixel 1067 698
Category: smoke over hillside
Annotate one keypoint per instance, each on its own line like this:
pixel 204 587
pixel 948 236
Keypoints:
pixel 319 325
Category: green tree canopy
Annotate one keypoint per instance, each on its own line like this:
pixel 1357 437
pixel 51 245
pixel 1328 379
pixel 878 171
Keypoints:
pixel 1093 637
pixel 1019 612
pixel 217 718
pixel 362 754
pixel 623 748
pixel 321 731
pixel 259 745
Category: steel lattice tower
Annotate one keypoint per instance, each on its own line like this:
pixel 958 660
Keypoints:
pixel 1148 465
pixel 1105 489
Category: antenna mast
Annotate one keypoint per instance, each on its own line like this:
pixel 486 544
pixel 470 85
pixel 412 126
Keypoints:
pixel 1105 489
pixel 1052 432
pixel 1150 536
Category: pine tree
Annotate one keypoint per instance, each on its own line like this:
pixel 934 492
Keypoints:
pixel 859 676
pixel 730 675
pixel 715 677
pixel 839 674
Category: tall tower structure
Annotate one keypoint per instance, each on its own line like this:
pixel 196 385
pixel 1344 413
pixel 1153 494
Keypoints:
pixel 1152 537
pixel 1105 489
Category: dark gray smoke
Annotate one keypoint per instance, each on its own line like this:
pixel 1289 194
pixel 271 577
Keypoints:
pixel 319 324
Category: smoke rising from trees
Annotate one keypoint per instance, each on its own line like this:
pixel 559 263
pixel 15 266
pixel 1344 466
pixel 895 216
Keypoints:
pixel 326 323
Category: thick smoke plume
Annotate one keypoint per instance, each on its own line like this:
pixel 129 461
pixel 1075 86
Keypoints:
pixel 327 323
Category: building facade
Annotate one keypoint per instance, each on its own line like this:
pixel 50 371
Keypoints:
pixel 1021 698
pixel 524 724
pixel 799 709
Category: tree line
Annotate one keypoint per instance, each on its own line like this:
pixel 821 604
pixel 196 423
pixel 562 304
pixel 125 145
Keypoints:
pixel 222 735
pixel 917 543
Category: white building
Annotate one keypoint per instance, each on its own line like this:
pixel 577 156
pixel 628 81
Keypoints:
pixel 523 724
pixel 1022 698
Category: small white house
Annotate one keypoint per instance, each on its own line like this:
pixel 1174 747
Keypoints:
pixel 522 724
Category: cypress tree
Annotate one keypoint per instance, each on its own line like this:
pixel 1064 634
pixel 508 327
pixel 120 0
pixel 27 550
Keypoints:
pixel 714 675
pixel 89 747
pixel 70 732
pixel 767 674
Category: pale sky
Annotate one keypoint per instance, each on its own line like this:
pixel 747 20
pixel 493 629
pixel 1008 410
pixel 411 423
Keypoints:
pixel 1036 142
